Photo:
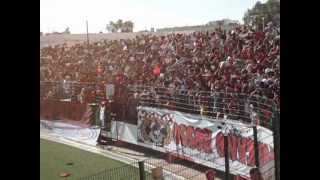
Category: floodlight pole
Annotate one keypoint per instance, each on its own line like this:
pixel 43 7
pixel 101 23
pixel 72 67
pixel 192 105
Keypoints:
pixel 87 32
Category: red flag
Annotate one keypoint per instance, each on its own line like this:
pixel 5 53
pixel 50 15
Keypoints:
pixel 156 71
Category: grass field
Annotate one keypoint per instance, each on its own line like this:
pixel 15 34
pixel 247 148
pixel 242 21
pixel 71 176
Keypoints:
pixel 56 158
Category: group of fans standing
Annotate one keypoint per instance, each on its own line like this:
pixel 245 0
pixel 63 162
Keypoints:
pixel 221 72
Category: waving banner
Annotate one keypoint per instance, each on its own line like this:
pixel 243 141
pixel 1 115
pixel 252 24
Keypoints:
pixel 201 140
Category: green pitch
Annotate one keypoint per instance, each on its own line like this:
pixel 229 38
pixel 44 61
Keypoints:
pixel 56 158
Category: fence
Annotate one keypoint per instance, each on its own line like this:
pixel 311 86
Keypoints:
pixel 248 109
pixel 128 171
pixel 70 100
pixel 216 105
pixel 68 91
pixel 175 166
pixel 180 166
pixel 143 170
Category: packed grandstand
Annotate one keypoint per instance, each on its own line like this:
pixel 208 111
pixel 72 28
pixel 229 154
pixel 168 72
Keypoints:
pixel 233 73
pixel 174 79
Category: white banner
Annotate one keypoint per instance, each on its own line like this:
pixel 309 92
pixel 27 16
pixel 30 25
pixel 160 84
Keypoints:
pixel 200 139
pixel 124 132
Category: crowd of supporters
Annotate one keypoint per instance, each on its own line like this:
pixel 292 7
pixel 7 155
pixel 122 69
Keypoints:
pixel 239 61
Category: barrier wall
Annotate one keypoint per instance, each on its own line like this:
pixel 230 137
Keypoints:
pixel 197 139
pixel 54 109
pixel 193 137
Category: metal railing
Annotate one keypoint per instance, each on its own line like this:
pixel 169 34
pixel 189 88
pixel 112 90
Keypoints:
pixel 125 172
pixel 245 108
pixel 214 105
pixel 210 104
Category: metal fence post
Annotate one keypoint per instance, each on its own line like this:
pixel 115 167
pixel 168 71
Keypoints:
pixel 226 157
pixel 256 146
pixel 276 141
pixel 141 170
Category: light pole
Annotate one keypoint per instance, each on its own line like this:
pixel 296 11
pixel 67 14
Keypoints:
pixel 262 23
pixel 87 32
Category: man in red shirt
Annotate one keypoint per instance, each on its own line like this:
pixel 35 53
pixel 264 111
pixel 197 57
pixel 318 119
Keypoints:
pixel 210 174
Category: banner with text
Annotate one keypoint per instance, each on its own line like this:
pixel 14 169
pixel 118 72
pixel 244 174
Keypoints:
pixel 201 140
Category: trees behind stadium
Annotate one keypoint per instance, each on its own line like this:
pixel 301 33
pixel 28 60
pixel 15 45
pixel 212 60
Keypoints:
pixel 120 25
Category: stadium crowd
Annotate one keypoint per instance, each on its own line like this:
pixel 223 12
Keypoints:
pixel 237 61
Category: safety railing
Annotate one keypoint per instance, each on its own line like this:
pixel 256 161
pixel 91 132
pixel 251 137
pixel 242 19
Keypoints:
pixel 212 104
pixel 216 105
pixel 128 171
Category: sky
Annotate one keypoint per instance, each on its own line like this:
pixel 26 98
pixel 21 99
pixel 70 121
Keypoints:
pixel 57 15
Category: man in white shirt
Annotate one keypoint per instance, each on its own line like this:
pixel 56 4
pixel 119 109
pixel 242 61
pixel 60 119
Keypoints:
pixel 102 114
pixel 103 120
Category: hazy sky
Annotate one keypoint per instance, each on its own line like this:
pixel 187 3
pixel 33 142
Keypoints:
pixel 56 15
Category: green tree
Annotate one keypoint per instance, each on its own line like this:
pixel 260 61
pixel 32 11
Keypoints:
pixel 127 26
pixel 112 27
pixel 67 31
pixel 120 25
pixel 262 13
